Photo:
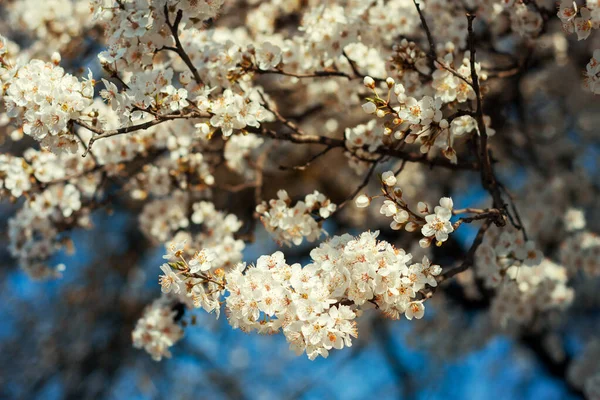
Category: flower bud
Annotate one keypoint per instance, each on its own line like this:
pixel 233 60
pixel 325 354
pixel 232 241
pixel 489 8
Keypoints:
pixel 369 108
pixel 401 216
pixel 55 58
pixel 447 203
pixel 411 226
pixel 388 178
pixel 425 243
pixel 369 82
pixel 362 201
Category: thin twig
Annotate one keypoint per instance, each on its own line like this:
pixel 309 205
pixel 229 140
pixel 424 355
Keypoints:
pixel 174 27
pixel 488 178
pixel 360 187
pixel 315 74
pixel 307 163
pixel 432 53
pixel 354 67
pixel 102 134
pixel 470 257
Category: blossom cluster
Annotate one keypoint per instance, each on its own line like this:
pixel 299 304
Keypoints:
pixel 592 73
pixel 369 136
pixel 421 121
pixel 47 99
pixel 156 331
pixel 289 224
pixel 525 281
pixel 435 226
pixel 581 252
pixel 195 283
pixel 196 278
pixel 168 219
pixel 438 224
pixel 54 21
pixel 524 19
pixel 233 111
pixel 146 90
pixel 315 306
pixel 218 234
pixel 579 20
pixel 582 20
pixel 236 152
pixel 448 86
pixel 557 219
pixel 15 175
pixel 59 192
pixel 137 29
pixel 162 218
pixel 33 232
pixel 219 56
pixel 584 372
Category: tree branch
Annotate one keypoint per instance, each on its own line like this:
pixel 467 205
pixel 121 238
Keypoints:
pixel 432 55
pixel 174 28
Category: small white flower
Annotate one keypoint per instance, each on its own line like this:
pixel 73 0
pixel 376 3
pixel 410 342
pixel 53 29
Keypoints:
pixel 574 219
pixel 174 250
pixel 169 281
pixel 201 261
pixel 438 224
pixel 268 56
pixel 416 309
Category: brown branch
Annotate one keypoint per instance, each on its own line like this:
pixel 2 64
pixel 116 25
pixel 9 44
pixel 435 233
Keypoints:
pixel 432 53
pixel 307 163
pixel 382 151
pixel 469 259
pixel 357 73
pixel 115 75
pixel 238 187
pixel 278 115
pixel 315 74
pixel 258 194
pixel 453 71
pixel 174 28
pixel 519 224
pixel 86 148
pixel 299 136
pixel 102 134
pixel 488 178
pixel 352 64
pixel 493 215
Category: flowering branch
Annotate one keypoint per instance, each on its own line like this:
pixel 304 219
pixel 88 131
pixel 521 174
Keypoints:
pixel 103 134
